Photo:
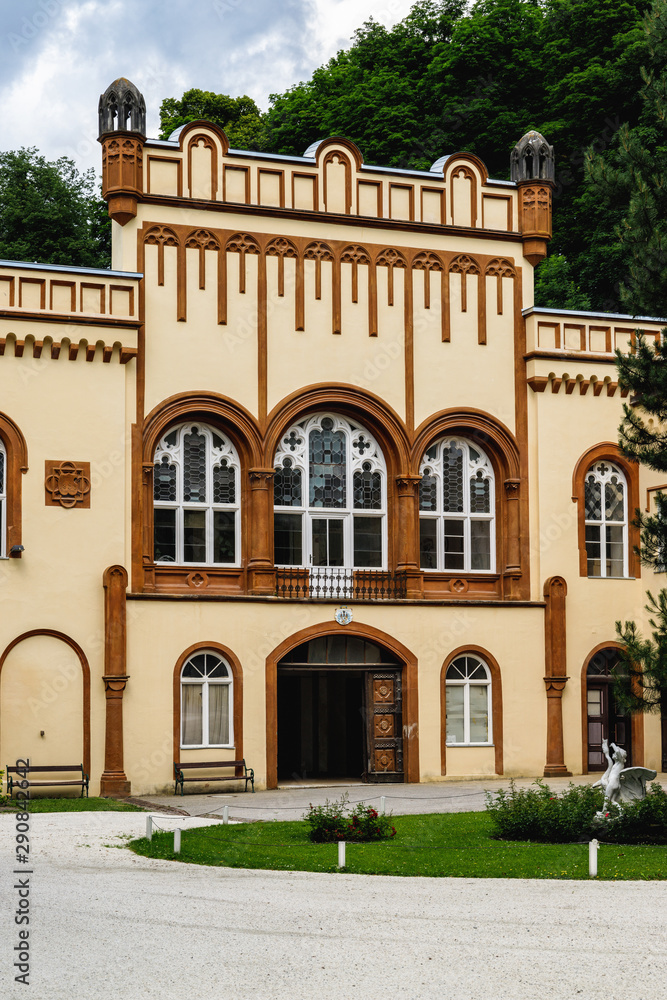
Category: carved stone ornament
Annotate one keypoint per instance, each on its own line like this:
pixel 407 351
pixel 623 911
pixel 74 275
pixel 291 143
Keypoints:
pixel 343 616
pixel 67 484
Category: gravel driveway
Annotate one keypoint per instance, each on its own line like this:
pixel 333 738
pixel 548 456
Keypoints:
pixel 106 923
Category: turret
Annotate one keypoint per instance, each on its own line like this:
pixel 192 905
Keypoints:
pixel 122 132
pixel 533 170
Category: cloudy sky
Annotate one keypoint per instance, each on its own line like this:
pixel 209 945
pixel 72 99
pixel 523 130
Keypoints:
pixel 58 56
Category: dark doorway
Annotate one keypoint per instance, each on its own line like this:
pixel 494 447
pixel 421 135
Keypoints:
pixel 320 724
pixel 339 711
pixel 604 721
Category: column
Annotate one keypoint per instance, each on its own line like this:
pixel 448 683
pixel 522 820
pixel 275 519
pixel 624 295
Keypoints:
pixel 114 780
pixel 407 535
pixel 555 592
pixel 261 570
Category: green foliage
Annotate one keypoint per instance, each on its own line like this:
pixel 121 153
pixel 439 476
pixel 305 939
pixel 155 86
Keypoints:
pixel 240 117
pixel 50 213
pixel 642 685
pixel 74 804
pixel 538 813
pixel 336 821
pixel 436 845
pixel 555 287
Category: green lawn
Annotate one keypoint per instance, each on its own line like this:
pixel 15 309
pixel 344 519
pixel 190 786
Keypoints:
pixel 73 805
pixel 455 844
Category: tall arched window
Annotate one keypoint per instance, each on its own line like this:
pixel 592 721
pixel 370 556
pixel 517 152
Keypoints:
pixel 329 496
pixel 196 497
pixel 468 702
pixel 606 520
pixel 3 500
pixel 206 701
pixel 456 508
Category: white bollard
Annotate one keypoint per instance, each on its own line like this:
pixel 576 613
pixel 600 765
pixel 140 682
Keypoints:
pixel 149 828
pixel 593 858
pixel 225 814
pixel 177 841
pixel 383 800
pixel 341 853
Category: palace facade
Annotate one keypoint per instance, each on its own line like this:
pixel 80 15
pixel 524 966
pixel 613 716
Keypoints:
pixel 307 479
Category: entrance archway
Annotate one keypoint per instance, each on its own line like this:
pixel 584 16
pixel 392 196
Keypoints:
pixel 603 719
pixel 341 703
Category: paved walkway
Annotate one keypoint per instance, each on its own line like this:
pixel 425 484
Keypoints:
pixel 291 801
pixel 107 924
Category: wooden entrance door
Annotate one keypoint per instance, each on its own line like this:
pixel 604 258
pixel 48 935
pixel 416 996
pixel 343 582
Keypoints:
pixel 384 726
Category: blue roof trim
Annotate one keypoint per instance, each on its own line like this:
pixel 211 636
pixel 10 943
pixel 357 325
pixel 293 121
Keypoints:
pixel 69 268
pixel 543 311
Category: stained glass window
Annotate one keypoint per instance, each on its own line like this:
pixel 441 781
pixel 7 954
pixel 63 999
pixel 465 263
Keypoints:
pixel 605 515
pixel 456 504
pixel 195 492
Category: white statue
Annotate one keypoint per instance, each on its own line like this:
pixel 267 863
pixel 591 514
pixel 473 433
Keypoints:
pixel 620 783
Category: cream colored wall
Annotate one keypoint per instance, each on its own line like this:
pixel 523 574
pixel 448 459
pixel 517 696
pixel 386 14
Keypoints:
pixel 67 410
pixel 157 637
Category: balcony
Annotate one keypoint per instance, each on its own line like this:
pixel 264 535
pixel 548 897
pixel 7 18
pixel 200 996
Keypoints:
pixel 337 584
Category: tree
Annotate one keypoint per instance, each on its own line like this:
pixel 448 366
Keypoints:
pixel 240 117
pixel 555 288
pixel 50 213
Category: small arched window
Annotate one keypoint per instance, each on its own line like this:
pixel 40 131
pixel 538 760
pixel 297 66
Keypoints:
pixel 196 497
pixel 606 520
pixel 468 702
pixel 329 496
pixel 206 701
pixel 456 508
pixel 3 500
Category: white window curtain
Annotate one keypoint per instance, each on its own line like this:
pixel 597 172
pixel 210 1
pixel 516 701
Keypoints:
pixel 468 702
pixel 206 701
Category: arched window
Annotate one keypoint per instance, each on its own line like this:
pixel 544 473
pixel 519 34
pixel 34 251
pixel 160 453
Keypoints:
pixel 606 520
pixel 329 496
pixel 196 497
pixel 456 508
pixel 206 701
pixel 3 500
pixel 468 702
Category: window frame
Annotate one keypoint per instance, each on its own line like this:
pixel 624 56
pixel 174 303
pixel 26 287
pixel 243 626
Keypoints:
pixel 466 684
pixel 205 683
pixel 603 479
pixel 433 465
pixel 174 455
pixel 3 499
pixel 294 447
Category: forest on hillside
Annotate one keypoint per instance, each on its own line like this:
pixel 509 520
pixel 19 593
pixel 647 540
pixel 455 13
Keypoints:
pixel 458 76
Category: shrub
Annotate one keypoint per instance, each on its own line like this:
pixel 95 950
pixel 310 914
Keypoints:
pixel 340 821
pixel 538 813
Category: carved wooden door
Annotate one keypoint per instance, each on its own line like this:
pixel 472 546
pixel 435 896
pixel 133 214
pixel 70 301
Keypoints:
pixel 384 726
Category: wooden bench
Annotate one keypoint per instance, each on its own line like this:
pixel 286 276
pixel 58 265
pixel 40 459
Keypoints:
pixel 30 769
pixel 247 775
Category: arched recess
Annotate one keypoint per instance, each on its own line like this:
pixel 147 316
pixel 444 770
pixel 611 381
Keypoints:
pixel 636 721
pixel 237 711
pixel 610 452
pixel 17 465
pixel 511 488
pixel 368 410
pixel 496 703
pixel 213 409
pixel 85 670
pixel 410 692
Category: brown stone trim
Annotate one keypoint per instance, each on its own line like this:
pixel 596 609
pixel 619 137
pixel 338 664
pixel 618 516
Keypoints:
pixel 76 320
pixel 424 189
pixel 316 192
pixel 489 432
pixel 555 661
pixel 454 171
pixel 410 188
pixel 369 222
pixel 610 452
pixel 17 465
pixel 409 347
pixel 521 588
pixel 261 570
pixel 636 721
pixel 237 711
pixel 329 158
pixel 114 780
pixel 410 691
pixel 538 383
pixel 496 703
pixel 378 190
pixel 165 159
pixel 41 282
pixel 208 144
pixel 85 670
pixel 653 489
pixel 234 204
pixel 10 280
pixel 262 343
pixel 72 287
pixel 67 484
pixel 499 197
pixel 281 183
pixel 203 125
pixel 569 356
